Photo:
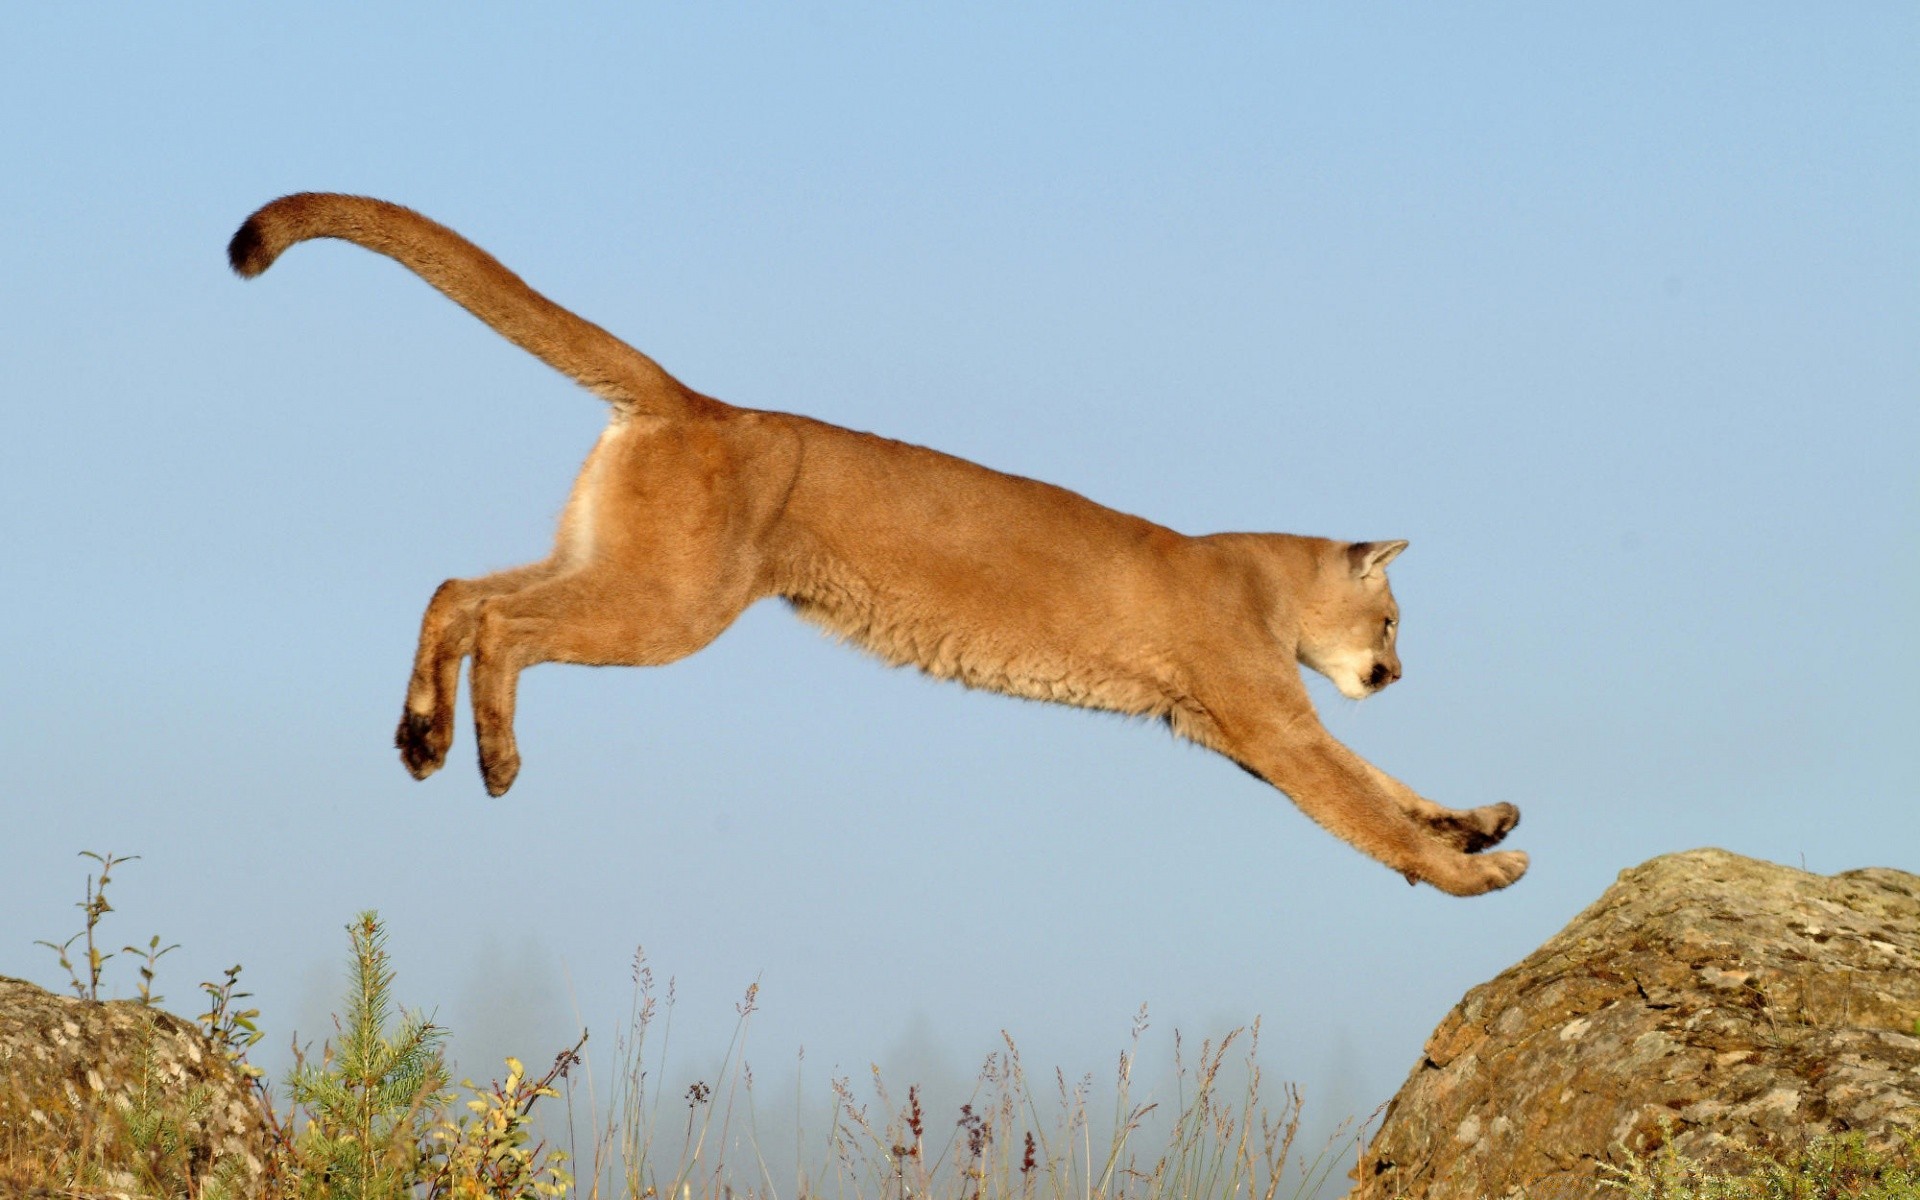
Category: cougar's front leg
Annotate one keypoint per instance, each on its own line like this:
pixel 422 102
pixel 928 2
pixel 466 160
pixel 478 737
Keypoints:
pixel 1282 741
pixel 446 637
pixel 1337 788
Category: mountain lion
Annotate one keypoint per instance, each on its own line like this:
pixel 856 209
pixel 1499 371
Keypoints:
pixel 688 510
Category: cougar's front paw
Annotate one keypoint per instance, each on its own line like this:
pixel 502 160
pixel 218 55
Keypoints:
pixel 422 743
pixel 1477 874
pixel 1498 869
pixel 1486 826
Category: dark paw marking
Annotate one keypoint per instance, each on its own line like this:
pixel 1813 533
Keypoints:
pixel 415 741
pixel 1501 819
pixel 1476 829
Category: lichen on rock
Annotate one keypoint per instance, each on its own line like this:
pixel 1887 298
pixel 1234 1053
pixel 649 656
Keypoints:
pixel 1729 1007
pixel 118 1097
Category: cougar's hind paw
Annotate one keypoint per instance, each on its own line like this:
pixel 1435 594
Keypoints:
pixel 499 771
pixel 423 750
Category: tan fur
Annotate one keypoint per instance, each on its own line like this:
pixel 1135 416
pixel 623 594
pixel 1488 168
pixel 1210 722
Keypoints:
pixel 688 510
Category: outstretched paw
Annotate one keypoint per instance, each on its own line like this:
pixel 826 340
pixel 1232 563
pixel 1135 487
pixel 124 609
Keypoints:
pixel 1499 869
pixel 1475 829
pixel 1477 874
pixel 422 743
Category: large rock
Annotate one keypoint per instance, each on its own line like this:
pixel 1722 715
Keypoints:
pixel 117 1098
pixel 1733 1007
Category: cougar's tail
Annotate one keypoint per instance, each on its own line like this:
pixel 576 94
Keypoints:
pixel 471 278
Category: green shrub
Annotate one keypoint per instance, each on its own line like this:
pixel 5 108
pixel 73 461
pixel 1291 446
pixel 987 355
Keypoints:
pixel 1843 1167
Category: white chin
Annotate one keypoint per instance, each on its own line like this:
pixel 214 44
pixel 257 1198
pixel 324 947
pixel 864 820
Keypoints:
pixel 1353 689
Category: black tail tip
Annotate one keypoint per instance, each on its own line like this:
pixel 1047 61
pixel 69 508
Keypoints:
pixel 247 253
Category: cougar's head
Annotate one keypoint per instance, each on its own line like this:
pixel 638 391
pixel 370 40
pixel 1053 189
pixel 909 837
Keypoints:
pixel 1348 628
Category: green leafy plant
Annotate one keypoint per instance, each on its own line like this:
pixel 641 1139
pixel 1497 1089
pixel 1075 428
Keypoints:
pixel 364 1110
pixel 489 1150
pixel 95 907
pixel 233 1030
pixel 150 955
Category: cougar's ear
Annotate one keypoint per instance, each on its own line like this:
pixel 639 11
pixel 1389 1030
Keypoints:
pixel 1368 559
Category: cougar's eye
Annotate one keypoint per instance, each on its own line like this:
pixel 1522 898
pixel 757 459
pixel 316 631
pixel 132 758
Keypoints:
pixel 1390 623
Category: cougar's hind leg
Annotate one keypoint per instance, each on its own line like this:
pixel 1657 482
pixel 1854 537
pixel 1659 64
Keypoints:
pixel 593 619
pixel 446 637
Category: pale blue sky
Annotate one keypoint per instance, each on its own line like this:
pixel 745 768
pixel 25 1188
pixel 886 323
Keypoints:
pixel 1614 316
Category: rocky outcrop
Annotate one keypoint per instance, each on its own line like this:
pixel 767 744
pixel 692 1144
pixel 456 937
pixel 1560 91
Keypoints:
pixel 118 1098
pixel 1728 1006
